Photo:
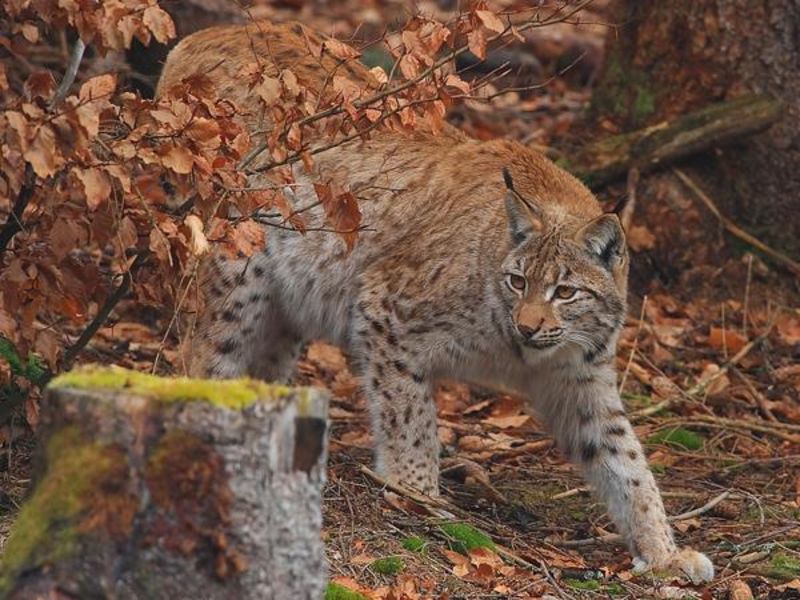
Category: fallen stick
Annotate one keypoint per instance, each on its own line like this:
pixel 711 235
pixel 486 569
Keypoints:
pixel 616 538
pixel 708 380
pixel 660 145
pixel 735 230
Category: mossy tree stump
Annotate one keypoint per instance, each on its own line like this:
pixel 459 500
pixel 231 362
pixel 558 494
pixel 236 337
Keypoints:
pixel 156 488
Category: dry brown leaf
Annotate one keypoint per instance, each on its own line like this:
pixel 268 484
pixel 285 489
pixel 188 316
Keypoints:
pixel 269 90
pixel 340 50
pixel 96 186
pixel 179 159
pixel 198 242
pixel 159 23
pixel 455 81
pixel 739 590
pixel 640 238
pixel 248 237
pixel 101 86
pixel 788 328
pixel 42 152
pixel 508 422
pixel 63 238
pixel 794 584
pixel 476 41
pixel 720 339
pixel 491 21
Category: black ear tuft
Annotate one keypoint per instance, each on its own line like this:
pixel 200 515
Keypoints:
pixel 619 207
pixel 507 179
pixel 524 217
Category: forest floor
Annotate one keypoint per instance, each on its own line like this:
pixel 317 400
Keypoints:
pixel 709 373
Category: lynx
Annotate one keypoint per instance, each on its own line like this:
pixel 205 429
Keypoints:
pixel 482 262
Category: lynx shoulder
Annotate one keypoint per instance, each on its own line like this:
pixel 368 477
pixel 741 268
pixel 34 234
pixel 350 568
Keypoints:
pixel 479 261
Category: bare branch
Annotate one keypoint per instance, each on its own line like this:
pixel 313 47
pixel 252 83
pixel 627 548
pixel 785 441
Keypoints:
pixel 14 222
pixel 72 71
pixel 102 315
pixel 556 17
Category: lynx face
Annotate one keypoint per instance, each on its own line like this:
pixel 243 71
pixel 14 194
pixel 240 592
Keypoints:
pixel 559 278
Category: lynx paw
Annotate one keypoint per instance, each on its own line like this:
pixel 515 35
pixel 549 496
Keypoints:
pixel 688 563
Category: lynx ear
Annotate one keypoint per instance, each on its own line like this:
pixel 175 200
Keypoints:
pixel 524 217
pixel 603 237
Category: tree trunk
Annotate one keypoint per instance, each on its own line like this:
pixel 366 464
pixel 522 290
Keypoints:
pixel 172 488
pixel 668 58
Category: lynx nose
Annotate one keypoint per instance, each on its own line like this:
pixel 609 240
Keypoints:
pixel 529 332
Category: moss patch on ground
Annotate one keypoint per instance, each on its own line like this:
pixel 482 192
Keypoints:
pixel 678 436
pixel 463 537
pixel 234 394
pixel 414 544
pixel 334 591
pixel 389 565
pixel 63 504
pixel 784 567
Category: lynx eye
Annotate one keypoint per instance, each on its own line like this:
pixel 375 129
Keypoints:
pixel 516 282
pixel 565 292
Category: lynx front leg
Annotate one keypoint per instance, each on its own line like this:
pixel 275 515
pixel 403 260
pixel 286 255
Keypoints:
pixel 401 407
pixel 589 423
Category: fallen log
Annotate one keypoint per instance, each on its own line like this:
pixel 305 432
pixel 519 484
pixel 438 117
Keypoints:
pixel 601 162
pixel 164 488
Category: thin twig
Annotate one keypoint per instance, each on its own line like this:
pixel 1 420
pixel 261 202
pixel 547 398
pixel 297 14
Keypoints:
pixel 778 429
pixel 735 230
pixel 335 110
pixel 13 224
pixel 758 397
pixel 746 303
pixel 100 318
pixel 706 381
pixel 634 347
pixel 72 71
pixel 612 538
pixel 626 215
pixel 438 507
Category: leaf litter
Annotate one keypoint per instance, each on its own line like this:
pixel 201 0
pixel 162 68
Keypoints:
pixel 721 438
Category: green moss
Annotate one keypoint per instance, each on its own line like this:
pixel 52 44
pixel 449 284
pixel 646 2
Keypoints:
pixel 678 436
pixel 463 537
pixel 644 105
pixel 784 567
pixel 46 529
pixel 414 543
pixel 614 589
pixel 389 565
pixel 588 585
pixel 233 394
pixel 334 591
pixel 625 92
pixel 637 400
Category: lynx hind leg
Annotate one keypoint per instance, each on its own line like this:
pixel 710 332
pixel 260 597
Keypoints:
pixel 398 393
pixel 241 330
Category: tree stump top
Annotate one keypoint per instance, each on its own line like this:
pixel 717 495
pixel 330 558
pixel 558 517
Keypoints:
pixel 234 394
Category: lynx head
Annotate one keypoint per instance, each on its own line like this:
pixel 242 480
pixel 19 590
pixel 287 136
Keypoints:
pixel 565 278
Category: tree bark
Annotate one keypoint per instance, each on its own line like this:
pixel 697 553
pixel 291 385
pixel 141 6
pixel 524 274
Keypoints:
pixel 172 488
pixel 669 58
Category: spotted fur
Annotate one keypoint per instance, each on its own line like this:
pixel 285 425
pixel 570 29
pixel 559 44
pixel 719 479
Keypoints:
pixel 482 261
